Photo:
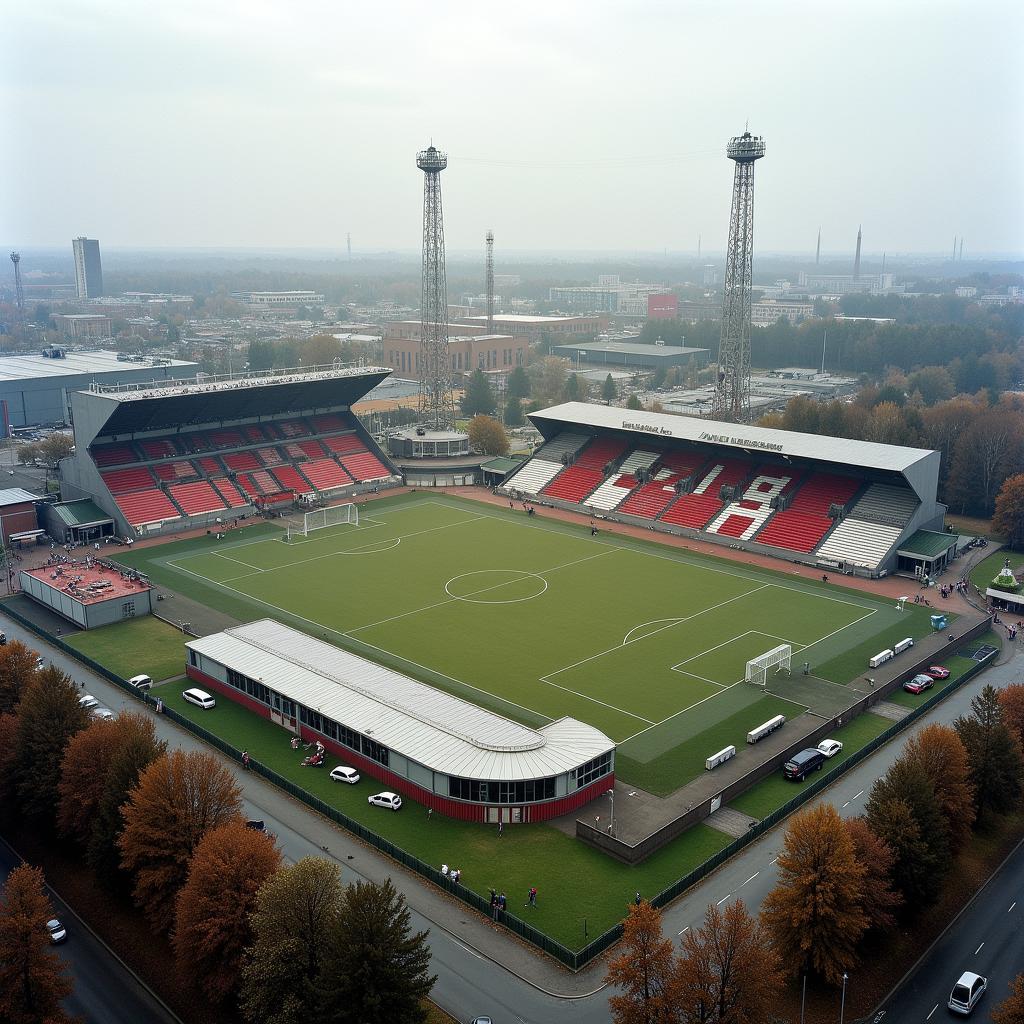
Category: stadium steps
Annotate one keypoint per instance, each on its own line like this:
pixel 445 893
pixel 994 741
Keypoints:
pixel 364 465
pixel 534 475
pixel 326 474
pixel 210 465
pixel 574 483
pixel 344 444
pixel 612 492
pixel 803 525
pixel 599 453
pixel 254 433
pixel 650 500
pixel 740 519
pixel 859 542
pixel 225 438
pixel 122 481
pixel 886 504
pixel 197 498
pixel 173 472
pixel 696 509
pixel 158 448
pixel 255 484
pixel 561 445
pixel 292 480
pixel 294 451
pixel 330 422
pixel 636 461
pixel 293 428
pixel 312 449
pixel 194 443
pixel 149 506
pixel 269 456
pixel 241 462
pixel 232 496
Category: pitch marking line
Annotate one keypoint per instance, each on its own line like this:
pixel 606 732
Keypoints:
pixel 652 622
pixel 725 643
pixel 238 561
pixel 362 643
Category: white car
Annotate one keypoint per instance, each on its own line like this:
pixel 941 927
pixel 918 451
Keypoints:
pixel 830 747
pixel 966 993
pixel 392 801
pixel 343 774
pixel 88 701
pixel 58 933
pixel 200 698
pixel 101 712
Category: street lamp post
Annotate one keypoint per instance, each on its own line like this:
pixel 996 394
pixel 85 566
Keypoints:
pixel 611 796
pixel 842 1005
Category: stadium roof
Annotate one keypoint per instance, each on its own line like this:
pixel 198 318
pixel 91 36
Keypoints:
pixel 159 405
pixel 84 512
pixel 630 348
pixel 840 450
pixel 441 732
pixel 16 495
pixel 34 367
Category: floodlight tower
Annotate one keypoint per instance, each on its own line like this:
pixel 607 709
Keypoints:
pixel 489 282
pixel 856 258
pixel 732 391
pixel 19 291
pixel 436 405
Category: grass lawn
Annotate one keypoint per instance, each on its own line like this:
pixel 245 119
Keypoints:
pixel 135 646
pixel 771 793
pixel 644 642
pixel 575 882
pixel 988 568
pixel 972 526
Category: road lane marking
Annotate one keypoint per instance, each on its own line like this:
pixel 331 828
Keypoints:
pixel 855 795
pixel 847 804
pixel 934 1008
pixel 978 950
pixel 722 900
pixel 686 929
pixel 467 949
pixel 1012 905
pixel 752 877
pixel 773 860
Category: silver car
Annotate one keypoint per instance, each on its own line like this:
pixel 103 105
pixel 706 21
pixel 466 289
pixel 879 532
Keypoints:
pixel 966 993
pixel 58 933
pixel 390 801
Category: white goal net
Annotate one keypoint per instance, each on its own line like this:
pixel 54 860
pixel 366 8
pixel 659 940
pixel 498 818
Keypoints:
pixel 779 658
pixel 321 518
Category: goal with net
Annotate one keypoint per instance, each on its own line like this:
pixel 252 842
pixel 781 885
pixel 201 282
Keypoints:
pixel 779 658
pixel 321 518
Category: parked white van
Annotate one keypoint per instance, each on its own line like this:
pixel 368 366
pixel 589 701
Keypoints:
pixel 141 682
pixel 200 698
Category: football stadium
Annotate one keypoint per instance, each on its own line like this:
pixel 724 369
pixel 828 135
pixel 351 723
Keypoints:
pixel 497 663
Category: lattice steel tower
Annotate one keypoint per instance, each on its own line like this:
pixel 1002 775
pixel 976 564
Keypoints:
pixel 437 405
pixel 19 291
pixel 489 282
pixel 732 392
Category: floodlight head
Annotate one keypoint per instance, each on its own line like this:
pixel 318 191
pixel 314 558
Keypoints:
pixel 745 148
pixel 431 160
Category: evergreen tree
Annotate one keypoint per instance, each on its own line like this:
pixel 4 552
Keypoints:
pixel 514 412
pixel 993 753
pixel 572 388
pixel 518 383
pixel 478 396
pixel 609 392
pixel 633 402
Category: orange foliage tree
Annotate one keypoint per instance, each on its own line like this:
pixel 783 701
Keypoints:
pixel 1011 1009
pixel 939 751
pixel 178 799
pixel 32 978
pixel 1011 698
pixel 212 926
pixel 17 670
pixel 83 775
pixel 643 971
pixel 815 913
pixel 728 971
pixel 880 899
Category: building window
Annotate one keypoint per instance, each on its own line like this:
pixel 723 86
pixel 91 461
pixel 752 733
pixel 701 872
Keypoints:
pixel 193 659
pixel 375 751
pixel 128 610
pixel 524 792
pixel 592 770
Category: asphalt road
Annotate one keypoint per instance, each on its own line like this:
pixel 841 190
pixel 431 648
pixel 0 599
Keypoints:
pixel 986 939
pixel 470 984
pixel 105 992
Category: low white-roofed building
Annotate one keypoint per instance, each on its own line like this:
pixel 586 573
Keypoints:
pixel 453 756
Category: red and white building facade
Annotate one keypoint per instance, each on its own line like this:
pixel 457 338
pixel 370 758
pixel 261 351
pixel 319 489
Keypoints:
pixel 449 755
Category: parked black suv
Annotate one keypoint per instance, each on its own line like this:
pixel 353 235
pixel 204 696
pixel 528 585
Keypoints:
pixel 802 764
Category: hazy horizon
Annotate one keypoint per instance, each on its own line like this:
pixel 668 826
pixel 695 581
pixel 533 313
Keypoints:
pixel 571 129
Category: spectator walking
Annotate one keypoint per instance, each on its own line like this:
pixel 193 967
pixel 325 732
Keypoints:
pixel 637 899
pixel 245 759
pixel 531 897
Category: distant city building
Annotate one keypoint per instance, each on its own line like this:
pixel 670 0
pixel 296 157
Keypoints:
pixel 88 268
pixel 966 292
pixel 710 275
pixel 843 284
pixel 628 300
pixel 764 313
pixel 534 327
pixel 692 312
pixel 662 307
pixel 466 353
pixel 258 301
pixel 83 325
pixel 608 281
pixel 865 319
pixel 632 354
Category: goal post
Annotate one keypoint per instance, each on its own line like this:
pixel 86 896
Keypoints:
pixel 321 518
pixel 779 658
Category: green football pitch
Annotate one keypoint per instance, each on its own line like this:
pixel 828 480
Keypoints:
pixel 539 620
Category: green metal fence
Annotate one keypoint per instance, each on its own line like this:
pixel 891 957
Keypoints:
pixel 574 960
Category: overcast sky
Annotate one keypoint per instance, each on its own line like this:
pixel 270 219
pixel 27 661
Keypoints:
pixel 569 126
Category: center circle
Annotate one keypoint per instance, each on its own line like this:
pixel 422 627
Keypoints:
pixel 496 586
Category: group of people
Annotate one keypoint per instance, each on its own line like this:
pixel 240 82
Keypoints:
pixel 453 873
pixel 921 599
pixel 527 507
pixel 960 587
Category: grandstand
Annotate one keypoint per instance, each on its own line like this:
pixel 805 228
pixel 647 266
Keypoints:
pixel 831 502
pixel 170 455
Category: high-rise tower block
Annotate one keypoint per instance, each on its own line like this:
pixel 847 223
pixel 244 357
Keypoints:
pixel 856 258
pixel 732 392
pixel 436 403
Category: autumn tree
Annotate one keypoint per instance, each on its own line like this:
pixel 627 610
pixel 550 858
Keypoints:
pixel 903 811
pixel 375 968
pixel 178 799
pixel 48 716
pixel 17 670
pixel 993 753
pixel 1009 514
pixel 137 748
pixel 814 913
pixel 547 379
pixel 1011 1009
pixel 880 900
pixel 1011 698
pixel 939 752
pixel 728 971
pixel 212 928
pixel 643 972
pixel 8 733
pixel 83 776
pixel 295 912
pixel 609 392
pixel 488 435
pixel 33 982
